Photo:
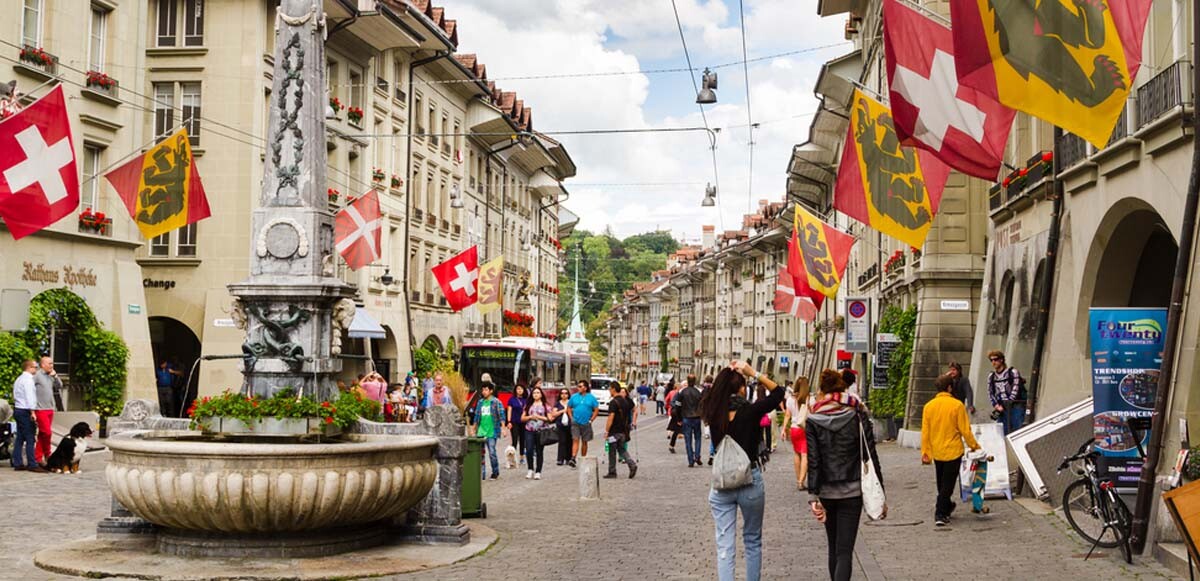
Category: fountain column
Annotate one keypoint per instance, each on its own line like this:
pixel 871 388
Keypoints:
pixel 293 307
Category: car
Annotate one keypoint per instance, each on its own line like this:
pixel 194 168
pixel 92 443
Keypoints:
pixel 600 385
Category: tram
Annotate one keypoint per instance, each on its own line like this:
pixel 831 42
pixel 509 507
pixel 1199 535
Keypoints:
pixel 518 360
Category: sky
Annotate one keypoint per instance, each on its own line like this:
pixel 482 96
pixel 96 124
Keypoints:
pixel 538 37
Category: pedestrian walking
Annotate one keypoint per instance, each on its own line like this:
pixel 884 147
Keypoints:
pixel 674 418
pixel 851 380
pixel 621 414
pixel 516 409
pixel 489 414
pixel 660 399
pixel 48 384
pixel 962 387
pixel 24 404
pixel 794 416
pixel 725 409
pixel 689 402
pixel 643 395
pixel 437 393
pixel 164 380
pixel 944 429
pixel 535 417
pixel 562 423
pixel 582 408
pixel 1006 390
pixel 835 468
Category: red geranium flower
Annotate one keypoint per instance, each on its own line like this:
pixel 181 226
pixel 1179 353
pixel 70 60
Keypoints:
pixel 329 420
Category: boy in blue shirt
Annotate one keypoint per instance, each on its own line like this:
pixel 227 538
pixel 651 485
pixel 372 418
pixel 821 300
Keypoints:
pixel 582 408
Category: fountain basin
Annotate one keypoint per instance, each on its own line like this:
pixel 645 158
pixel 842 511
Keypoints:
pixel 242 496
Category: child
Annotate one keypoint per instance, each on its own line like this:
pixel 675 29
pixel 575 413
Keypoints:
pixel 489 419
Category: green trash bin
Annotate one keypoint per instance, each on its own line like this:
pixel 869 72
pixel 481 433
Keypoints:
pixel 472 482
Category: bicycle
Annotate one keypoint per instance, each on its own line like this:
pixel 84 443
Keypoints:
pixel 1092 506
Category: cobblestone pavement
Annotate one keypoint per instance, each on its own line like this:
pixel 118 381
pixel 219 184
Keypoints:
pixel 656 526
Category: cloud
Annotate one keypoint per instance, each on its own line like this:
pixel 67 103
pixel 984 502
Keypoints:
pixel 522 37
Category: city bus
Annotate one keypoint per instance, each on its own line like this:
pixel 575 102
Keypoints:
pixel 514 360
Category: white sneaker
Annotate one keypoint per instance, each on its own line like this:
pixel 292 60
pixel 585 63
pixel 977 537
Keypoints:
pixel 529 475
pixel 537 476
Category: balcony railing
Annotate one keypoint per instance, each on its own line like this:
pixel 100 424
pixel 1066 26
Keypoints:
pixel 1072 149
pixel 1162 93
pixel 1121 131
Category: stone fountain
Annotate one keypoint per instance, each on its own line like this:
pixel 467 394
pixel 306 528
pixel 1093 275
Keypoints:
pixel 254 496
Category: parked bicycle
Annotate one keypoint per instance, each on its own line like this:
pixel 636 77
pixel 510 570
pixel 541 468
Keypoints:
pixel 1093 507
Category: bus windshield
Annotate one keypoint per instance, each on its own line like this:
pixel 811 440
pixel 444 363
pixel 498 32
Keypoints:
pixel 506 365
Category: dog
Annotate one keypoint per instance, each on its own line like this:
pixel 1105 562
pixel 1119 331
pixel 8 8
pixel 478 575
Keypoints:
pixel 68 454
pixel 510 457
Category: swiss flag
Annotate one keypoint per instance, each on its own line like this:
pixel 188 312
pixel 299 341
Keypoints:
pixel 357 230
pixel 961 126
pixel 787 300
pixel 459 278
pixel 795 269
pixel 38 181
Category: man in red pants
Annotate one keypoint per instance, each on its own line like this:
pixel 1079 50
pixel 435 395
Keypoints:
pixel 48 384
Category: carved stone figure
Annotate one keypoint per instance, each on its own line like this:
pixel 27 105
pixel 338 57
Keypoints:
pixel 237 312
pixel 343 315
pixel 525 288
pixel 275 336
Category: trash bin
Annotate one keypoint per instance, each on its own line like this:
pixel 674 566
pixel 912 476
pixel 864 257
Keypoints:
pixel 472 481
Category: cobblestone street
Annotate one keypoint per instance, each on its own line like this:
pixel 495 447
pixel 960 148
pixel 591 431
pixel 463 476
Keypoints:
pixel 656 526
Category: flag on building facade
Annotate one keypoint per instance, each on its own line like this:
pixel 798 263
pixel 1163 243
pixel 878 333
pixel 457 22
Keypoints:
pixel 358 231
pixel 459 278
pixel 789 300
pixel 890 187
pixel 824 251
pixel 39 183
pixel 161 188
pixel 1070 63
pixel 491 275
pixel 960 125
pixel 799 275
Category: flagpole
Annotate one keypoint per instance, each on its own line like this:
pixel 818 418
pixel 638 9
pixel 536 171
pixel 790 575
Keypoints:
pixel 1183 258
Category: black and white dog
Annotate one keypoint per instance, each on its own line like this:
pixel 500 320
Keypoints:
pixel 66 458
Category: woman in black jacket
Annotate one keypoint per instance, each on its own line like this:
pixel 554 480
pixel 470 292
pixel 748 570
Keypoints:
pixel 725 409
pixel 835 468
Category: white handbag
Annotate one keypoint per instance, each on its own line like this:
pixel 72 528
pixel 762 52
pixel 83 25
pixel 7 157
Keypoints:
pixel 872 489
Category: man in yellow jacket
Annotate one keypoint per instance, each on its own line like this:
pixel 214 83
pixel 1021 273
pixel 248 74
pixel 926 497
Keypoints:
pixel 944 428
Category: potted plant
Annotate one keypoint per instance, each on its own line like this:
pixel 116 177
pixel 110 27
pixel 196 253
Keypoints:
pixel 377 175
pixel 284 413
pixel 396 181
pixel 336 105
pixel 101 80
pixel 333 195
pixel 36 56
pixel 355 115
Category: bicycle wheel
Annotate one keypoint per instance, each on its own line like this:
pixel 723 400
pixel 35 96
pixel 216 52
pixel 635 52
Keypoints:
pixel 1123 523
pixel 1084 515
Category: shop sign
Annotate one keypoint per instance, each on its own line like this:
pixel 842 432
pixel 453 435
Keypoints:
pixel 135 309
pixel 885 346
pixel 155 283
pixel 68 275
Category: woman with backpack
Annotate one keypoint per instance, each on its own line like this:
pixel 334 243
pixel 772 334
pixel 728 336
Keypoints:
pixel 837 428
pixel 724 408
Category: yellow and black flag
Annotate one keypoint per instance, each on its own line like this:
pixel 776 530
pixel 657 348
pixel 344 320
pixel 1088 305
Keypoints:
pixel 1070 62
pixel 161 188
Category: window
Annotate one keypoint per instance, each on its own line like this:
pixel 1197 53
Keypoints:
pixel 161 245
pixel 89 193
pixel 457 136
pixel 168 16
pixel 398 74
pixel 96 32
pixel 331 75
pixel 417 113
pixel 164 109
pixel 432 125
pixel 356 88
pixel 187 241
pixel 31 24
pixel 443 128
pixel 190 99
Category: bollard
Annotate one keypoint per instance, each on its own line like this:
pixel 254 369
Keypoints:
pixel 589 478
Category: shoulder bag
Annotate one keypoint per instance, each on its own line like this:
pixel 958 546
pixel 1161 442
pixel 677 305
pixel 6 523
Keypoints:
pixel 872 489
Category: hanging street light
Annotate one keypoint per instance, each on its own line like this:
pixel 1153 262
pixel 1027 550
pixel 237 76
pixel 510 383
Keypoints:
pixel 708 84
pixel 710 196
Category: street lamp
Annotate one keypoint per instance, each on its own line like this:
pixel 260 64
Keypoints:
pixel 708 83
pixel 710 196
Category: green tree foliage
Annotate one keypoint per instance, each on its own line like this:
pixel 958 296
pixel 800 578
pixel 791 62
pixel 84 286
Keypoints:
pixel 12 354
pixel 892 402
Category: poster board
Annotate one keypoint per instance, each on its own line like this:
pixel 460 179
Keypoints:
pixel 991 438
pixel 1184 505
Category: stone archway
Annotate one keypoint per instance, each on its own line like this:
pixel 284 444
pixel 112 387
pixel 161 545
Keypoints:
pixel 433 344
pixel 174 343
pixel 1134 263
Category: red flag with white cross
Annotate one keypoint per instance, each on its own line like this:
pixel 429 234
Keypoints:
pixel 789 300
pixel 459 278
pixel 39 184
pixel 357 231
pixel 964 128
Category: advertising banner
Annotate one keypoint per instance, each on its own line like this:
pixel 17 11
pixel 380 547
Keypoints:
pixel 858 325
pixel 1126 355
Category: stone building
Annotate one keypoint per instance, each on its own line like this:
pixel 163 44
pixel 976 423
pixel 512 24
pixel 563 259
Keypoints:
pixel 96 262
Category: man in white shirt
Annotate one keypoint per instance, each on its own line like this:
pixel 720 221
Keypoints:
pixel 24 402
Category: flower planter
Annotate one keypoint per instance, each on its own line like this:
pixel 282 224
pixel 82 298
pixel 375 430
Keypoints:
pixel 269 427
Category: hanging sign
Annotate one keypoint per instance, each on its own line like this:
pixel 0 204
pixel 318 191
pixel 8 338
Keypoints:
pixel 885 346
pixel 858 325
pixel 1127 349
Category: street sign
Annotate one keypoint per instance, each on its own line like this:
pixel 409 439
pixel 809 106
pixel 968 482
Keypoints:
pixel 134 309
pixel 783 362
pixel 858 325
pixel 885 346
pixel 956 305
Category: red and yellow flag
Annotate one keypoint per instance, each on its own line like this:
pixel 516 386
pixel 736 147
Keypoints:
pixel 161 188
pixel 491 275
pixel 887 186
pixel 824 252
pixel 1068 62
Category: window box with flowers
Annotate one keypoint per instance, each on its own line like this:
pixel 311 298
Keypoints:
pixel 894 264
pixel 336 105
pixel 102 85
pixel 95 223
pixel 355 115
pixel 396 182
pixel 333 195
pixel 37 59
pixel 377 175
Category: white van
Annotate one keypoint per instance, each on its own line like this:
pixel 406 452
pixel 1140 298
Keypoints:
pixel 600 385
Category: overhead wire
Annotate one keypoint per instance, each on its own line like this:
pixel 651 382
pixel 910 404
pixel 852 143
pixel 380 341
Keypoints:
pixel 703 116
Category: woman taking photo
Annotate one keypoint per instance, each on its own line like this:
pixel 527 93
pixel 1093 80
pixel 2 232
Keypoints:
pixel 516 426
pixel 835 468
pixel 535 417
pixel 794 417
pixel 725 409
pixel 562 423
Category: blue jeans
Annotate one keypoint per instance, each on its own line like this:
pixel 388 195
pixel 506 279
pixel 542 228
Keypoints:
pixel 491 448
pixel 1013 416
pixel 23 454
pixel 725 504
pixel 691 439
